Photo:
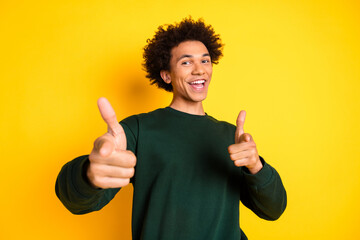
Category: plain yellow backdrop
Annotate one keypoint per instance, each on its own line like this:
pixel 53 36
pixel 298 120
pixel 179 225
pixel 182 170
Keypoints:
pixel 294 66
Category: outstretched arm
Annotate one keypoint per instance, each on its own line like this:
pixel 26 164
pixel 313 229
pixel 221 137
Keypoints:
pixel 89 182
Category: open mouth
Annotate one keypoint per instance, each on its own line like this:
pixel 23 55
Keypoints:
pixel 198 84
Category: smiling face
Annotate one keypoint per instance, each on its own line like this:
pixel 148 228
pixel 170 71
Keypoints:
pixel 190 73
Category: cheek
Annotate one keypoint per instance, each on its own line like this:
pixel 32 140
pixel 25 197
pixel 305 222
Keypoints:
pixel 180 76
pixel 210 73
pixel 209 70
pixel 177 81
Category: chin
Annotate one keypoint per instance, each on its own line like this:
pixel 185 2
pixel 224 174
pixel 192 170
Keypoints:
pixel 199 98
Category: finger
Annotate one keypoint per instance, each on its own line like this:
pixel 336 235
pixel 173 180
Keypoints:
pixel 104 145
pixel 238 147
pixel 251 163
pixel 241 162
pixel 114 128
pixel 125 159
pixel 106 149
pixel 245 137
pixel 242 154
pixel 120 172
pixel 112 171
pixel 109 182
pixel 240 125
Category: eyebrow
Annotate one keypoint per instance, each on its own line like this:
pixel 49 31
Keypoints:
pixel 190 56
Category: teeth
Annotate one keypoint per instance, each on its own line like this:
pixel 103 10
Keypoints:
pixel 197 82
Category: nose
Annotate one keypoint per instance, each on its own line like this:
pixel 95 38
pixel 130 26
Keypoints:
pixel 198 69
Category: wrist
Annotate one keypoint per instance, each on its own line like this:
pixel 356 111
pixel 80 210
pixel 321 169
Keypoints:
pixel 255 169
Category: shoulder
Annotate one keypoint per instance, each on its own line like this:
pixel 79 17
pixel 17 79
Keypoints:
pixel 133 120
pixel 221 123
pixel 135 124
pixel 222 128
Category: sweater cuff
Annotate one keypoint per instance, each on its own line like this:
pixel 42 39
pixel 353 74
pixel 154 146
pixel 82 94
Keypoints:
pixel 260 178
pixel 82 184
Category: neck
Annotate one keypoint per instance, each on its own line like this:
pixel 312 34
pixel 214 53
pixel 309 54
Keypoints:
pixel 195 108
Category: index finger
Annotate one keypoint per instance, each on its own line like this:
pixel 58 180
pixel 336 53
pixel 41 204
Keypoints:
pixel 109 116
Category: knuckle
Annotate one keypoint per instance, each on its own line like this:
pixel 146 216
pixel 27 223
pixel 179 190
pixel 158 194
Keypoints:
pixel 234 148
pixel 132 159
pixel 132 172
pixel 124 182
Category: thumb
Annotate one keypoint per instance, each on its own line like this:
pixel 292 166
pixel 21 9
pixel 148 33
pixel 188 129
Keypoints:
pixel 244 138
pixel 240 126
pixel 114 128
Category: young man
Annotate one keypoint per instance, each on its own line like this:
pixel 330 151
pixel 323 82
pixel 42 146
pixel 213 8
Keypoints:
pixel 191 169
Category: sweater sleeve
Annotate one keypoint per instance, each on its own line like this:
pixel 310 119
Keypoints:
pixel 72 186
pixel 263 192
pixel 74 191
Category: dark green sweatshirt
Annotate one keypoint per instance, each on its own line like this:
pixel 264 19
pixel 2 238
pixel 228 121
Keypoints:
pixel 185 185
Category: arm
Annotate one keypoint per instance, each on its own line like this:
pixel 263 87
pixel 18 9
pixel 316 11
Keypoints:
pixel 261 188
pixel 263 192
pixel 88 183
pixel 75 192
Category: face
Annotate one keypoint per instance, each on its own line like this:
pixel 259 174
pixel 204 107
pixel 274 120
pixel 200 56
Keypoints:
pixel 190 72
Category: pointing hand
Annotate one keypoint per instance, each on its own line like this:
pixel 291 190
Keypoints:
pixel 244 152
pixel 111 165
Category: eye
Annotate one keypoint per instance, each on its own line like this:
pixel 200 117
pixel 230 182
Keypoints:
pixel 185 63
pixel 205 61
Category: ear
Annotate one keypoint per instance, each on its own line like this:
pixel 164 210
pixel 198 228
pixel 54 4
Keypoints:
pixel 165 75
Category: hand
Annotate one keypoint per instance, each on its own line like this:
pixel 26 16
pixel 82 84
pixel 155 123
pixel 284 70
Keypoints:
pixel 111 165
pixel 244 152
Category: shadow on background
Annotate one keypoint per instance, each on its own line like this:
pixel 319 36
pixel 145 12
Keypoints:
pixel 136 94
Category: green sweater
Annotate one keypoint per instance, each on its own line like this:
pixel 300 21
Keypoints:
pixel 185 185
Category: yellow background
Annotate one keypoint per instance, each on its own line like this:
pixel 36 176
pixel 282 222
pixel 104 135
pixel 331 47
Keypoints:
pixel 294 66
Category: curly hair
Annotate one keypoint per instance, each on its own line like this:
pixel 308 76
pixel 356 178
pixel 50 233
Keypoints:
pixel 157 52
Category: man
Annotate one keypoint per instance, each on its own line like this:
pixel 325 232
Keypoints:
pixel 191 169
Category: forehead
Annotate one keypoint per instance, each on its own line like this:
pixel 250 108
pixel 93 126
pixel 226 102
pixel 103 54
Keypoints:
pixel 193 48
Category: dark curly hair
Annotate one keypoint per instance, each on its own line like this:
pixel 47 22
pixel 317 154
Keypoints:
pixel 157 52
